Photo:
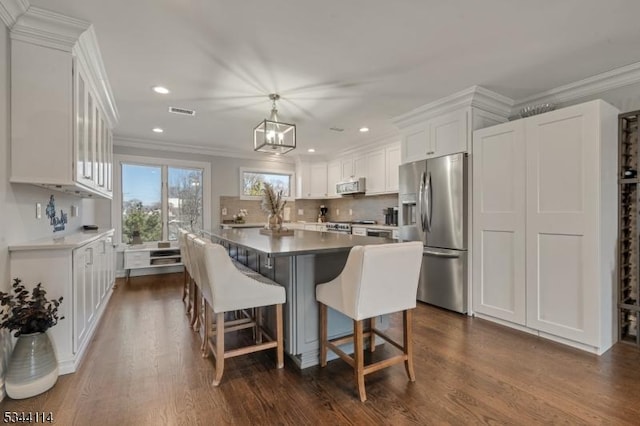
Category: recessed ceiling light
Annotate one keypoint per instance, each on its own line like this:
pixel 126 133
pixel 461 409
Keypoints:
pixel 158 130
pixel 161 90
pixel 364 129
pixel 311 150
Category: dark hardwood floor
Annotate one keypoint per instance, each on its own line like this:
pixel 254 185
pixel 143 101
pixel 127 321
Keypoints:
pixel 144 367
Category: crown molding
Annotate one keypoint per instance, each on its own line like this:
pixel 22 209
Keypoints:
pixel 10 11
pixel 371 145
pixel 595 85
pixel 474 96
pixel 50 29
pixel 53 30
pixel 87 51
pixel 171 146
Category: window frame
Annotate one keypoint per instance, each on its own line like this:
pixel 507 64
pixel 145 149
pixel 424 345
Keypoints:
pixel 164 164
pixel 243 170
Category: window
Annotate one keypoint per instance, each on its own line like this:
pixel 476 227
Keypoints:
pixel 185 200
pixel 251 183
pixel 141 202
pixel 157 197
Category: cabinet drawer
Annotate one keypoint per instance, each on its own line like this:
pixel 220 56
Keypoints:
pixel 359 231
pixel 136 259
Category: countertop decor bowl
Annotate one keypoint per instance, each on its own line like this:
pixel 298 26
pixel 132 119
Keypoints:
pixel 536 109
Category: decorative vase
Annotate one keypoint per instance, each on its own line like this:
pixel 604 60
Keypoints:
pixel 274 222
pixel 33 367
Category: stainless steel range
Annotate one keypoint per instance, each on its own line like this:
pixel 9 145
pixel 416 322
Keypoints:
pixel 342 227
pixel 345 227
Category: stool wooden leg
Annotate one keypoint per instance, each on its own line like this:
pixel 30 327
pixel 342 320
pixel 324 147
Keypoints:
pixel 358 353
pixel 195 321
pixel 219 348
pixel 185 284
pixel 280 335
pixel 206 330
pixel 372 336
pixel 258 326
pixel 407 319
pixel 323 334
pixel 190 296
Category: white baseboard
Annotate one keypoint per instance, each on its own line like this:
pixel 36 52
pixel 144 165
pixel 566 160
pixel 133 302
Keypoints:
pixel 558 339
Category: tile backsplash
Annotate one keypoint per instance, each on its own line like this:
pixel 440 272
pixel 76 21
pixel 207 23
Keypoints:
pixel 362 208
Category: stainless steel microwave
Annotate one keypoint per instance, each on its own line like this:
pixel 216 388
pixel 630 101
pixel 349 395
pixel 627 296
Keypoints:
pixel 350 187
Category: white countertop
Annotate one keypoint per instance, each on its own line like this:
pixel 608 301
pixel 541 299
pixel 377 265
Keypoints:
pixel 66 242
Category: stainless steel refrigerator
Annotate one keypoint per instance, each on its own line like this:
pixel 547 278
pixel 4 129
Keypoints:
pixel 433 209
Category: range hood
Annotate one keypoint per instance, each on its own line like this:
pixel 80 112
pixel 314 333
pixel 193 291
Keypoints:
pixel 351 186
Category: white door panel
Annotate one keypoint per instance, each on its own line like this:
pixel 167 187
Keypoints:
pixel 498 222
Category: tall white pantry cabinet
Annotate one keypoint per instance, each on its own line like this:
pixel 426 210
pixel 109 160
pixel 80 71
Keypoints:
pixel 545 224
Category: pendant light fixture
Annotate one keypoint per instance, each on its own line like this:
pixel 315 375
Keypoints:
pixel 272 136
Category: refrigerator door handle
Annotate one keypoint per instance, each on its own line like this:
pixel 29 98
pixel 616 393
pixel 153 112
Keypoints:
pixel 439 254
pixel 421 201
pixel 428 203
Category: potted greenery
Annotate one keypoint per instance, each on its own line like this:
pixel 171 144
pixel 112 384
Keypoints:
pixel 33 367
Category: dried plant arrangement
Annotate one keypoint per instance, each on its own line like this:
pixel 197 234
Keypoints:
pixel 272 201
pixel 28 313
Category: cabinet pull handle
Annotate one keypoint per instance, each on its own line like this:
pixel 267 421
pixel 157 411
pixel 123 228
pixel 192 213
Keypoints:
pixel 268 263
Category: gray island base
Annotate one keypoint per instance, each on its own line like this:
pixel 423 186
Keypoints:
pixel 298 263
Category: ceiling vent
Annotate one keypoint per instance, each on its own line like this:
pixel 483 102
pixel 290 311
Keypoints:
pixel 182 111
pixel 336 129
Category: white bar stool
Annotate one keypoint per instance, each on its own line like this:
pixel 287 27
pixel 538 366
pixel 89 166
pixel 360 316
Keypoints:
pixel 376 280
pixel 231 290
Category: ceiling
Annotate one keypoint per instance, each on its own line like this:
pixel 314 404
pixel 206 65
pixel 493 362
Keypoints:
pixel 336 63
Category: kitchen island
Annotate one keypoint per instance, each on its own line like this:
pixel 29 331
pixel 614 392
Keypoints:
pixel 298 262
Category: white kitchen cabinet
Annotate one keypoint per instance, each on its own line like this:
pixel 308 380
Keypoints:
pixel 376 172
pixel 347 168
pixel 311 180
pixel 441 135
pixel 318 180
pixel 93 140
pixel 354 167
pixel 359 230
pixel 415 143
pixel 544 224
pixel 499 222
pixel 334 175
pixel 382 170
pixel 59 95
pixel 359 167
pixel 81 269
pixel 448 134
pixel 444 126
pixel 303 179
pixel 94 276
pixel 392 158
